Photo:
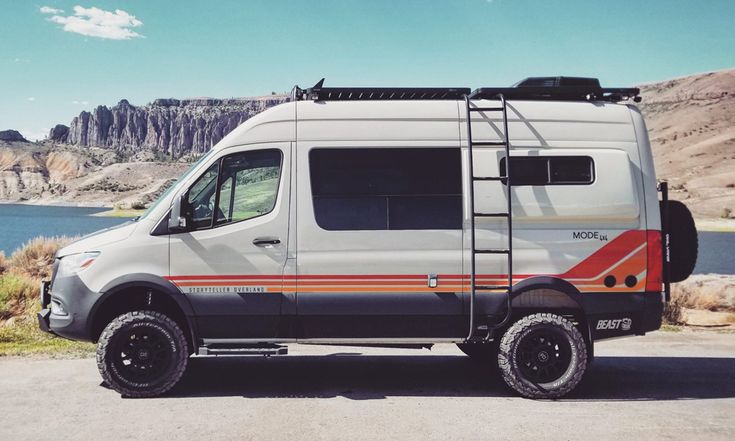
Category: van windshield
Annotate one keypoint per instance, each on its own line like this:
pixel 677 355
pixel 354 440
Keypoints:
pixel 173 185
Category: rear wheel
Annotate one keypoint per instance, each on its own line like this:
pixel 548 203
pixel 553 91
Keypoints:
pixel 542 356
pixel 142 354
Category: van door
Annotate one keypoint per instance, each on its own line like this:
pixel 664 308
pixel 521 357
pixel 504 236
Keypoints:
pixel 379 243
pixel 231 262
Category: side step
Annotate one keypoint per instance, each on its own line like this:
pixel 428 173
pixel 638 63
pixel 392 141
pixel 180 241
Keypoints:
pixel 263 349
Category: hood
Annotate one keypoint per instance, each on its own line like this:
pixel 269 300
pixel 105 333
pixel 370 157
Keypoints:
pixel 98 239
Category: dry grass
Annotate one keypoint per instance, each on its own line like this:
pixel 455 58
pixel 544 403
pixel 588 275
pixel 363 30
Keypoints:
pixel 4 263
pixel 710 292
pixel 19 300
pixel 673 313
pixel 18 296
pixel 35 258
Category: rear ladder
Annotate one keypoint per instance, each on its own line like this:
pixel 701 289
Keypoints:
pixel 482 332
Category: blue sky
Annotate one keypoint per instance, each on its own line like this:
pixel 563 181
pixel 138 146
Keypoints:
pixel 57 60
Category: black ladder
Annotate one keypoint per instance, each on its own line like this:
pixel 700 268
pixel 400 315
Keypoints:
pixel 483 332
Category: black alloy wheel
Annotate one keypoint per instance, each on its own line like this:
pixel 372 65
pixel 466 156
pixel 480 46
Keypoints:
pixel 142 354
pixel 542 355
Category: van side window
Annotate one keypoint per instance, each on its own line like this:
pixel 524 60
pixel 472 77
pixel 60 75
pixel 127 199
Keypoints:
pixel 550 170
pixel 248 185
pixel 241 186
pixel 387 188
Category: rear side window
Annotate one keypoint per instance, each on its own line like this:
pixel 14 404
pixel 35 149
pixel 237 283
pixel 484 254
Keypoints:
pixel 386 188
pixel 550 170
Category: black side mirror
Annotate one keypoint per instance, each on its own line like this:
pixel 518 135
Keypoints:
pixel 177 220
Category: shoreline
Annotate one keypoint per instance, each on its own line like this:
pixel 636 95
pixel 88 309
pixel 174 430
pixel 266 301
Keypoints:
pixel 716 225
pixel 59 204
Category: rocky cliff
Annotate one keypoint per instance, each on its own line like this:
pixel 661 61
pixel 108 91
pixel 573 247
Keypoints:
pixel 11 136
pixel 168 127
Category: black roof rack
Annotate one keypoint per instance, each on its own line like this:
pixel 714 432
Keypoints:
pixel 319 93
pixel 532 89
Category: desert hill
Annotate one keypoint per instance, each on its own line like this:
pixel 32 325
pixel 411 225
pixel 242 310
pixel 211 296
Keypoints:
pixel 691 123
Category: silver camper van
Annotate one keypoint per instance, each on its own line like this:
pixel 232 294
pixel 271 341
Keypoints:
pixel 522 224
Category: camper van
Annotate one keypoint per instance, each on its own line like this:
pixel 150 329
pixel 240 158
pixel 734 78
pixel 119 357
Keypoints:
pixel 521 223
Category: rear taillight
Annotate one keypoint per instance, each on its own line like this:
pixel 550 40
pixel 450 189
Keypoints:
pixel 654 274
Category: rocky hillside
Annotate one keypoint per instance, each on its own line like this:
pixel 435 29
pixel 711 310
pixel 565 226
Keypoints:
pixel 691 123
pixel 45 174
pixel 11 136
pixel 168 127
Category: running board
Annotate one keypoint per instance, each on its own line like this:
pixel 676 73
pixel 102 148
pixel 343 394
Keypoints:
pixel 267 350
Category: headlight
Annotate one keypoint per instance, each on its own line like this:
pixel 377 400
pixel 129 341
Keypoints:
pixel 75 263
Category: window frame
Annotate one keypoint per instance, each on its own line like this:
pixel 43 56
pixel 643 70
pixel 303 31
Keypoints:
pixel 383 195
pixel 220 161
pixel 502 166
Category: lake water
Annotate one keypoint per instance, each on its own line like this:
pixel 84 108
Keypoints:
pixel 19 223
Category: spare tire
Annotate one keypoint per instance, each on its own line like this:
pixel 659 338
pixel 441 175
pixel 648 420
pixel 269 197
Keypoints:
pixel 683 244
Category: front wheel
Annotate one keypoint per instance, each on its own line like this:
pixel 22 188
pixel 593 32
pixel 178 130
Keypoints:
pixel 542 356
pixel 142 354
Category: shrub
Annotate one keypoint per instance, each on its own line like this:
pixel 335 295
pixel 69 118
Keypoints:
pixel 36 257
pixel 18 295
pixel 705 291
pixel 726 213
pixel 4 263
pixel 673 313
pixel 138 205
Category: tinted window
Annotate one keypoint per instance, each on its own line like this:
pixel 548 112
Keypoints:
pixel 387 189
pixel 571 169
pixel 550 170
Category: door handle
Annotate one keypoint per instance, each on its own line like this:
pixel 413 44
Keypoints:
pixel 265 241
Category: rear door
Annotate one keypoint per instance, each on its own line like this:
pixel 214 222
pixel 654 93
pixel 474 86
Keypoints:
pixel 231 263
pixel 379 242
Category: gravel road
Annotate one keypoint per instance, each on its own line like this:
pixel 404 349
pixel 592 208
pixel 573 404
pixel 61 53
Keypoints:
pixel 663 386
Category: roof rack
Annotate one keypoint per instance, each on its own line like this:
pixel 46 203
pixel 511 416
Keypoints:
pixel 319 93
pixel 532 89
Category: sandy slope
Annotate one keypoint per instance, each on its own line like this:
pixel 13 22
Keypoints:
pixel 691 123
pixel 47 174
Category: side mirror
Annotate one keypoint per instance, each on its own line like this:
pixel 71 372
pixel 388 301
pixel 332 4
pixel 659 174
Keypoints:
pixel 177 219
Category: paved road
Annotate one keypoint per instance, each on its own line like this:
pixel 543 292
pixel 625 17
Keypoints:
pixel 664 385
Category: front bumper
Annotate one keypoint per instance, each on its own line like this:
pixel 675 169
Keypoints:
pixel 43 316
pixel 43 320
pixel 71 296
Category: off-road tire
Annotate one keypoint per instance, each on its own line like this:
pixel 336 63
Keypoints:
pixel 564 330
pixel 683 243
pixel 168 332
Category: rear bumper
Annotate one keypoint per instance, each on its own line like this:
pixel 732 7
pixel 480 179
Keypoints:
pixel 619 314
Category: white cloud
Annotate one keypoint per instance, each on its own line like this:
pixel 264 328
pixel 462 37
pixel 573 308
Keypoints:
pixel 50 10
pixel 35 135
pixel 83 103
pixel 31 98
pixel 96 22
